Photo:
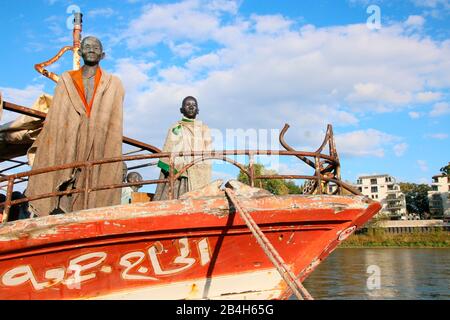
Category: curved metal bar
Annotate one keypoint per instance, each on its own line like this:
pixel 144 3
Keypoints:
pixel 289 148
pixel 237 164
pixel 40 66
pixel 325 140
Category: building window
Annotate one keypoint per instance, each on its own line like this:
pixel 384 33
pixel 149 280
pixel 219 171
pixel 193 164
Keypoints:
pixel 388 179
pixel 360 189
pixel 374 189
pixel 390 187
pixel 359 181
pixel 434 188
pixel 373 181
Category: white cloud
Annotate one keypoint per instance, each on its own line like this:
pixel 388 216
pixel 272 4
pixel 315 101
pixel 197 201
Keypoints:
pixel 364 143
pixel 262 71
pixel 428 96
pixel 102 12
pixel 440 109
pixel 423 166
pixel 24 97
pixel 415 21
pixel 400 149
pixel 414 115
pixel 183 50
pixel 439 136
pixel 369 92
pixel 271 24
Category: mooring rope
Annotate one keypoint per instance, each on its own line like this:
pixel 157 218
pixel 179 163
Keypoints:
pixel 297 288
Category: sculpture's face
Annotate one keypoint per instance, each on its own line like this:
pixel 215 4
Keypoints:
pixel 91 51
pixel 190 109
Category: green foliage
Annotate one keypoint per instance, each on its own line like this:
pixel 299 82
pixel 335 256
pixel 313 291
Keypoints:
pixel 416 196
pixel 275 186
pixel 377 238
pixel 446 170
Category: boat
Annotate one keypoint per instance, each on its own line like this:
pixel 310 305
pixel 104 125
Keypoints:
pixel 228 240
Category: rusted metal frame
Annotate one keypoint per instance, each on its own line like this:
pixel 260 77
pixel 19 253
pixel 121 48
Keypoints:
pixel 317 154
pixel 223 158
pixel 13 161
pixel 41 115
pixel 76 35
pixel 21 180
pixel 289 148
pixel 13 167
pixel 81 164
pixel 214 155
pixel 7 207
pixel 251 168
pixel 318 175
pixel 171 177
pixel 122 185
pixel 151 164
pixel 297 288
pixel 338 182
pixel 40 66
pixel 151 156
pixel 325 140
pixel 133 151
pixel 48 195
pixel 74 191
pixel 87 184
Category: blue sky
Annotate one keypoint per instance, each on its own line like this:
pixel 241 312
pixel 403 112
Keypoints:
pixel 255 65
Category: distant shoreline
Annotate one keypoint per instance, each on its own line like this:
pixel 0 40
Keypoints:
pixel 379 239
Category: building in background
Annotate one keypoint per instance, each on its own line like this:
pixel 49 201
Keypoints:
pixel 383 188
pixel 439 196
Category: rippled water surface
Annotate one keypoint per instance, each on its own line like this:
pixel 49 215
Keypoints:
pixel 382 274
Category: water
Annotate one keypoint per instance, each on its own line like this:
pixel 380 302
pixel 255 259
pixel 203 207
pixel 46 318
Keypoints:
pixel 382 274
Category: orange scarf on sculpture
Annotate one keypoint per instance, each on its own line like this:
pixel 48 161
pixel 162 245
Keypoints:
pixel 77 77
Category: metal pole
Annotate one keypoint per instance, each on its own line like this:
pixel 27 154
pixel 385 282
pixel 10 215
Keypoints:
pixel 87 185
pixel 297 288
pixel 171 182
pixel 251 169
pixel 77 29
pixel 318 175
pixel 9 192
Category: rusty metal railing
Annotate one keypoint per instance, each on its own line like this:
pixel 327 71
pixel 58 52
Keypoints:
pixel 323 174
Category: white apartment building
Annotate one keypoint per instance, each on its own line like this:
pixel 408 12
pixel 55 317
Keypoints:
pixel 383 188
pixel 439 197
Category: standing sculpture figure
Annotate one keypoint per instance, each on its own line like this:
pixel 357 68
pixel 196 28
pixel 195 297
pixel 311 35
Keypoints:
pixel 84 123
pixel 186 135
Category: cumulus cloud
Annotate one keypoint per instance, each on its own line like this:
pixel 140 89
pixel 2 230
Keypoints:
pixel 101 12
pixel 368 142
pixel 414 115
pixel 25 97
pixel 440 109
pixel 415 21
pixel 265 70
pixel 428 96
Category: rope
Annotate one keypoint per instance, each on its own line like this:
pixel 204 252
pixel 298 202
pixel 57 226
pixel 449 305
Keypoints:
pixel 297 288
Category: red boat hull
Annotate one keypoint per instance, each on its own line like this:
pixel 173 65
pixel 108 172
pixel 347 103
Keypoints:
pixel 180 249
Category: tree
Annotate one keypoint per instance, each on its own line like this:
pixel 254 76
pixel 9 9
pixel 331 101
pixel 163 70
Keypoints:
pixel 275 186
pixel 416 196
pixel 446 170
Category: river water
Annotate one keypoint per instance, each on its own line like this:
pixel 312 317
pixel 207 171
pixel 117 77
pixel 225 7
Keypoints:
pixel 389 273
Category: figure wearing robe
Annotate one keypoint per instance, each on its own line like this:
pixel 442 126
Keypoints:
pixel 79 129
pixel 185 135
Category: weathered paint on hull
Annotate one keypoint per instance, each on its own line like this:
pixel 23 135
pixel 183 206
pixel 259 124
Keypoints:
pixel 181 249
